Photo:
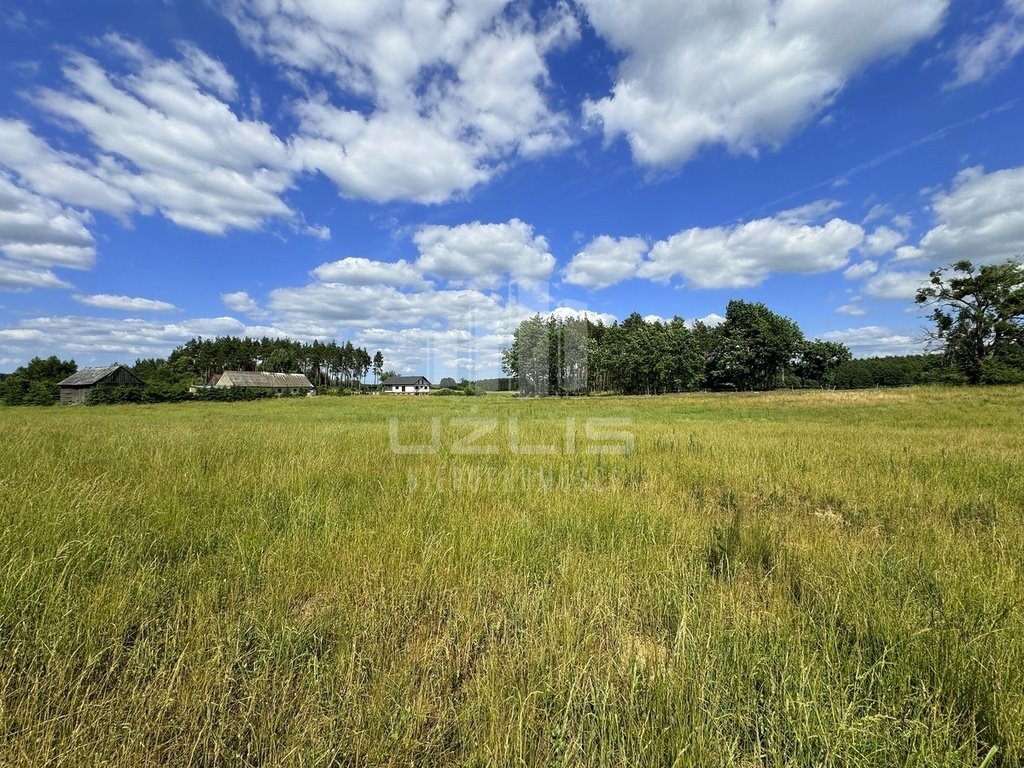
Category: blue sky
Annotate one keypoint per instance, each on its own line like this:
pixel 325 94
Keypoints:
pixel 420 175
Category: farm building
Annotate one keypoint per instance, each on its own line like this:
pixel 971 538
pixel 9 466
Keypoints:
pixel 76 387
pixel 407 385
pixel 279 383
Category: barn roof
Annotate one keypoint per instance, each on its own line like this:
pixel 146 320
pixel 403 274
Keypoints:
pixel 264 379
pixel 88 376
pixel 403 381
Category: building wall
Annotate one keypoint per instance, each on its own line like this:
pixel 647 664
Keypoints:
pixel 421 389
pixel 73 395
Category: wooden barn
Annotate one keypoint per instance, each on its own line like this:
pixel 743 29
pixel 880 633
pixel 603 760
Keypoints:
pixel 76 387
pixel 278 383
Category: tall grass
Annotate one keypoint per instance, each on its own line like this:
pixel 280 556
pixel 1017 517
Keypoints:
pixel 783 579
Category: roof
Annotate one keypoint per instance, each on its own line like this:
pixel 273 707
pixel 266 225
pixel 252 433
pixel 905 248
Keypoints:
pixel 404 381
pixel 263 379
pixel 89 376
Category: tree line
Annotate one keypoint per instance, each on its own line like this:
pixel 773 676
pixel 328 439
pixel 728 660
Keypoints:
pixel 329 366
pixel 977 313
pixel 754 348
pixel 326 364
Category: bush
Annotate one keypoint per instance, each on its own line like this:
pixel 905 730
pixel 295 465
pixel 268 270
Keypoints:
pixel 115 395
pixel 445 392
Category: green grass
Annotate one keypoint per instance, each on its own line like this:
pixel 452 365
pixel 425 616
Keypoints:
pixel 782 579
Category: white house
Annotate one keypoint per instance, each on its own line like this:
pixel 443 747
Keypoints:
pixel 407 385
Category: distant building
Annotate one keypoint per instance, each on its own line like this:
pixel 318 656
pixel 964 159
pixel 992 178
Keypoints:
pixel 407 385
pixel 76 387
pixel 278 383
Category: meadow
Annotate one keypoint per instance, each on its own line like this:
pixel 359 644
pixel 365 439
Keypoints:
pixel 807 578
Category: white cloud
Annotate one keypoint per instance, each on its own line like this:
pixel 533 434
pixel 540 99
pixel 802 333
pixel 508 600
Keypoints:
pixel 356 270
pixel 746 254
pixel 980 56
pixel 437 352
pixel 336 304
pixel 21 277
pixel 877 211
pixel 876 341
pixel 39 231
pixel 319 232
pixel 165 142
pixel 481 254
pixel 811 213
pixel 605 261
pixel 908 253
pixel 243 303
pixel 743 74
pixel 895 285
pixel 861 270
pixel 102 340
pixel 981 218
pixel 452 91
pixel 853 308
pixel 124 303
pixel 882 241
pixel 571 313
pixel 56 174
pixel 710 320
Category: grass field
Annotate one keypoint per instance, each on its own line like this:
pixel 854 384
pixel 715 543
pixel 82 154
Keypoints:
pixel 781 579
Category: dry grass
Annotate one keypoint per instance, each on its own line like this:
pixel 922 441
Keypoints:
pixel 783 579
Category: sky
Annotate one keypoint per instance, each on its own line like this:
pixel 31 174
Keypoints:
pixel 418 176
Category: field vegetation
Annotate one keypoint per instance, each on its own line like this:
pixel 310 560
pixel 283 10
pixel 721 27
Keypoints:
pixel 815 578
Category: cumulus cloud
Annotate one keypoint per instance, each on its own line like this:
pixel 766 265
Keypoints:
pixel 124 303
pixel 876 341
pixel 908 253
pixel 861 270
pixel 571 313
pixel 883 240
pixel 60 175
pixel 746 254
pixel 355 270
pixel 243 303
pixel 895 285
pixel 853 308
pixel 980 56
pixel 367 305
pixel 40 231
pixel 743 74
pixel 21 277
pixel 980 218
pixel 452 91
pixel 482 254
pixel 605 261
pixel 101 339
pixel 164 141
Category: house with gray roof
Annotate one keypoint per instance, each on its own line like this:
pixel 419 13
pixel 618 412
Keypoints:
pixel 406 385
pixel 76 387
pixel 277 383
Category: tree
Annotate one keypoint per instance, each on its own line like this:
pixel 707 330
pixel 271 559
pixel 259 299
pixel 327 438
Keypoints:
pixel 448 383
pixel 819 360
pixel 978 312
pixel 680 365
pixel 753 348
pixel 529 357
pixel 36 383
